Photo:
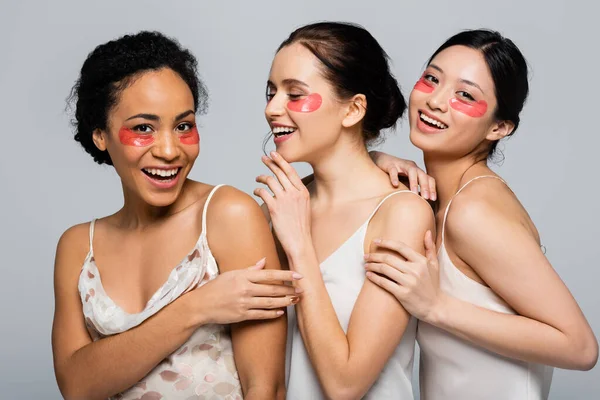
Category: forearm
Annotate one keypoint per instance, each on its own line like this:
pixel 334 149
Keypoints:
pixel 325 340
pixel 114 364
pixel 261 392
pixel 510 335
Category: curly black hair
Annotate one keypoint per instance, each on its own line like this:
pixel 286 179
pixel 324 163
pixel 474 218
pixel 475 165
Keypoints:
pixel 111 67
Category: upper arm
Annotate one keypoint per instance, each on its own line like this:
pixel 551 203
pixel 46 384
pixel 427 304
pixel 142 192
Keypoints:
pixel 506 254
pixel 378 320
pixel 239 236
pixel 69 333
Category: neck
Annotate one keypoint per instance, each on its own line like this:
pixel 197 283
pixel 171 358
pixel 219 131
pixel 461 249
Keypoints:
pixel 138 214
pixel 346 173
pixel 448 173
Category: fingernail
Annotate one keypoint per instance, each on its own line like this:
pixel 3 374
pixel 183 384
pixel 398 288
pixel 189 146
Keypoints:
pixel 273 154
pixel 296 275
pixel 280 312
pixel 299 290
pixel 366 256
pixel 369 274
pixel 433 197
pixel 294 299
pixel 262 260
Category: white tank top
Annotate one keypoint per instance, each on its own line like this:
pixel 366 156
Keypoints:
pixel 203 367
pixel 344 274
pixel 452 368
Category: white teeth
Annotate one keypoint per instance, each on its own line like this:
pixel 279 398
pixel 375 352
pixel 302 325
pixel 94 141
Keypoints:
pixel 282 129
pixel 433 121
pixel 161 172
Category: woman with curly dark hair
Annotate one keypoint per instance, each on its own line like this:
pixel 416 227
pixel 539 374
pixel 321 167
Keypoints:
pixel 144 296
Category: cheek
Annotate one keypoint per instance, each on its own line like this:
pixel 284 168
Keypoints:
pixel 423 85
pixel 191 137
pixel 475 109
pixel 128 137
pixel 309 104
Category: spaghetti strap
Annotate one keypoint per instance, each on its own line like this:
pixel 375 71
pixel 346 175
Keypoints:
pixel 390 195
pixel 456 194
pixel 212 192
pixel 92 224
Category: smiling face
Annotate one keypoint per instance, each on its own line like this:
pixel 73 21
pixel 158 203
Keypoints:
pixel 452 105
pixel 304 114
pixel 151 136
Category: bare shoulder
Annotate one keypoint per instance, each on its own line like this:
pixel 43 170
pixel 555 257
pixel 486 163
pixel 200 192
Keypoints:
pixel 405 217
pixel 406 208
pixel 72 249
pixel 482 205
pixel 234 215
pixel 229 203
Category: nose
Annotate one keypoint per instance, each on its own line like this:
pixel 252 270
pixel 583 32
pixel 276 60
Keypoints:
pixel 438 99
pixel 275 107
pixel 166 146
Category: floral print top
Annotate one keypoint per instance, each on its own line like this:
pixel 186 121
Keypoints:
pixel 203 367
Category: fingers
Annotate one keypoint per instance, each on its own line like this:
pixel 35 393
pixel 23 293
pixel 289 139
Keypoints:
pixel 262 290
pixel 393 172
pixel 289 171
pixel 263 314
pixel 413 179
pixel 396 290
pixel 271 182
pixel 424 183
pixel 432 189
pixel 392 260
pixel 387 271
pixel 266 197
pixel 273 275
pixel 270 303
pixel 259 265
pixel 430 250
pixel 279 173
pixel 404 250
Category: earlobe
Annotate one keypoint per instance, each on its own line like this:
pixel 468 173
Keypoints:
pixel 356 111
pixel 500 130
pixel 98 138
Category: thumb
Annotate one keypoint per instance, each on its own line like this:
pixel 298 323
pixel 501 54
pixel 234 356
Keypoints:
pixel 259 265
pixel 430 250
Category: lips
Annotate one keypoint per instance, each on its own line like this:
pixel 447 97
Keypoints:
pixel 281 133
pixel 162 177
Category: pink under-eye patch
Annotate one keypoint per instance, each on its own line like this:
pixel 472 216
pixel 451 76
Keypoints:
pixel 131 138
pixel 310 103
pixel 423 85
pixel 475 109
pixel 190 137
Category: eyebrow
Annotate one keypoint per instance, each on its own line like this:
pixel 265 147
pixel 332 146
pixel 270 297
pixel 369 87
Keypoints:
pixel 465 81
pixel 153 117
pixel 289 82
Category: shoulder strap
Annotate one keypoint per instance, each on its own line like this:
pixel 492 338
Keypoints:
pixel 456 194
pixel 390 195
pixel 212 192
pixel 92 224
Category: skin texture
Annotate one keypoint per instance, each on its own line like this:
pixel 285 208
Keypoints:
pixel 133 259
pixel 311 223
pixel 489 236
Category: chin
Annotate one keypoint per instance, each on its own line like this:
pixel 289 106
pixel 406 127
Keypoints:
pixel 289 154
pixel 161 199
pixel 417 138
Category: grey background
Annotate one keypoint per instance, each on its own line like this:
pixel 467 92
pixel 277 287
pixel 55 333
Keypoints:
pixel 49 183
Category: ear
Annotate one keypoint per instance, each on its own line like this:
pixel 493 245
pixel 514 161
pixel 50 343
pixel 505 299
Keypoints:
pixel 98 136
pixel 356 110
pixel 500 130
